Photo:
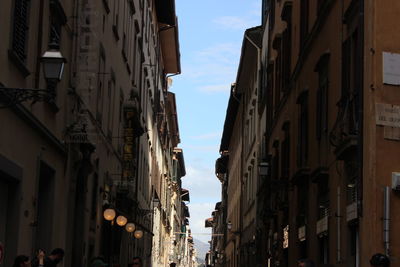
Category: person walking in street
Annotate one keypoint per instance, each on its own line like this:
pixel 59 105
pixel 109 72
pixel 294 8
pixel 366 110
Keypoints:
pixel 22 261
pixel 98 262
pixel 55 257
pixel 379 260
pixel 306 263
pixel 136 262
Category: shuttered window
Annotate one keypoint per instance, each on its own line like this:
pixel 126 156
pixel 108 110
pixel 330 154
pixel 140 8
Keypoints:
pixel 304 16
pixel 285 161
pixel 20 28
pixel 322 97
pixel 302 146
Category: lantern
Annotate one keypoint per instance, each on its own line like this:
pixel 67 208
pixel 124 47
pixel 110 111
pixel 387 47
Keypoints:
pixel 109 214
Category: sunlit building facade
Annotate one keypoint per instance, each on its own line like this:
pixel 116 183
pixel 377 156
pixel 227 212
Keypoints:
pixel 104 138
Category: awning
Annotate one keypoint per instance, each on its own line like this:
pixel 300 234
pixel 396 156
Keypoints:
pixel 209 222
pixel 185 210
pixel 170 48
pixel 221 165
pixel 185 195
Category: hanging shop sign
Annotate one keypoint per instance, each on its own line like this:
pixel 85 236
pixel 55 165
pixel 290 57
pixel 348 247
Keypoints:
pixel 128 144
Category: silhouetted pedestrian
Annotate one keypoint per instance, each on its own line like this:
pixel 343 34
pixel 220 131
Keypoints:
pixel 22 261
pixel 305 263
pixel 136 262
pixel 379 260
pixel 52 260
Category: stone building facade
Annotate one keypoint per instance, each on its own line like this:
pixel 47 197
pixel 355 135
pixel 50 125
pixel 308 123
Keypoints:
pixel 105 140
pixel 328 99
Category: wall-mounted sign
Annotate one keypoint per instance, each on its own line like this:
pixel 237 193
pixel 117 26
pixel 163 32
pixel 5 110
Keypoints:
pixel 391 68
pixel 286 237
pixel 81 130
pixel 302 233
pixel 387 115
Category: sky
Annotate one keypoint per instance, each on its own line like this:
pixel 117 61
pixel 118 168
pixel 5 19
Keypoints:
pixel 210 35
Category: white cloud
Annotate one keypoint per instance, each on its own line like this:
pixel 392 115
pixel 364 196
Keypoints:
pixel 222 52
pixel 235 22
pixel 207 136
pixel 198 214
pixel 213 68
pixel 215 88
pixel 202 148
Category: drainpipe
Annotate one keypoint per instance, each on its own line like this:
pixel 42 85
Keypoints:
pixel 386 219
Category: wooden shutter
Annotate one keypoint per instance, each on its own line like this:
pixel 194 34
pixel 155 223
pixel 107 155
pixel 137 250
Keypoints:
pixel 20 28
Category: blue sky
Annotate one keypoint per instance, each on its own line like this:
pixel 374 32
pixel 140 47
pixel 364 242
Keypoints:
pixel 211 35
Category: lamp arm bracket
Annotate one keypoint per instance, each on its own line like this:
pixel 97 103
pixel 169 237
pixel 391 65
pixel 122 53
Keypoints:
pixel 12 96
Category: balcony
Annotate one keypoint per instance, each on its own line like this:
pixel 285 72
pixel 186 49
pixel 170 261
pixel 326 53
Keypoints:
pixel 344 135
pixel 322 226
pixel 351 212
pixel 301 233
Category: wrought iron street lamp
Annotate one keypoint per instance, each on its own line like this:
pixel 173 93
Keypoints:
pixel 53 66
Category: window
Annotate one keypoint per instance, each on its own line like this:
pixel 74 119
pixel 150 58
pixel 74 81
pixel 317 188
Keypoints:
pixel 20 29
pixel 265 7
pixel 275 162
pixel 100 87
pixel 323 198
pixel 124 48
pixel 323 244
pixel 304 13
pixel 286 60
pixel 353 245
pixel 270 102
pixel 115 19
pixel 278 72
pixel 352 179
pixel 322 97
pixel 320 4
pixel 95 184
pixel 286 46
pixel 57 19
pixel 302 146
pixel 302 203
pixel 352 79
pixel 285 162
pixel 272 14
pixel 111 100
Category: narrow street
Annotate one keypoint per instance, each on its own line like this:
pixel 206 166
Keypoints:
pixel 174 133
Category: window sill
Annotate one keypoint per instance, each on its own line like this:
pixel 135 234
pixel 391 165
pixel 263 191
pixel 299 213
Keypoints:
pixel 18 63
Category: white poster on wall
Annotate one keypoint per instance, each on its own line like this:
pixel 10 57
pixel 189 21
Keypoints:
pixel 391 68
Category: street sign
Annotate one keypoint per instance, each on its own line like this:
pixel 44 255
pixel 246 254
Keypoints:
pixel 387 115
